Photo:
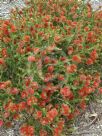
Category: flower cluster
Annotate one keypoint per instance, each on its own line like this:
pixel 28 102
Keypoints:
pixel 50 64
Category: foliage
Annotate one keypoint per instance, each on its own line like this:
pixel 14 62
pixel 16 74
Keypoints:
pixel 50 64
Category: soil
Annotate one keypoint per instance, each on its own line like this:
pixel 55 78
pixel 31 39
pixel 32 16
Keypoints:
pixel 89 123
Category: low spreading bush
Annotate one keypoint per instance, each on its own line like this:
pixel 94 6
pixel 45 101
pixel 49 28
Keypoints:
pixel 50 64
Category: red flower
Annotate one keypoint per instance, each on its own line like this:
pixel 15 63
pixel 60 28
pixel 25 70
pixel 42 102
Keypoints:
pixel 50 69
pixel 43 95
pixel 14 91
pixel 4 52
pixel 13 28
pixel 82 105
pixel 71 68
pixel 93 55
pixel 76 58
pixel 60 77
pixel 65 110
pixel 44 121
pixel 24 94
pixel 27 130
pixel 66 92
pixel 34 85
pixel 31 59
pixel 52 114
pixel 100 90
pixel 26 38
pixel 2 62
pixel 70 50
pixel 89 61
pixel 1 123
pixel 38 114
pixel 47 60
pixel 22 106
pixel 31 100
pixel 30 91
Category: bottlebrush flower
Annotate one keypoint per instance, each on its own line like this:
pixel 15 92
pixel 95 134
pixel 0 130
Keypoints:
pixel 76 58
pixel 52 114
pixel 50 69
pixel 71 68
pixel 89 61
pixel 2 61
pixel 4 52
pixel 66 92
pixel 65 109
pixel 31 59
pixel 70 50
pixel 100 90
pixel 14 91
pixel 1 123
pixel 26 38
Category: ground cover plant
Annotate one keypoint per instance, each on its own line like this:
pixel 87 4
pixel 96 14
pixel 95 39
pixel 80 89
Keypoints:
pixel 50 64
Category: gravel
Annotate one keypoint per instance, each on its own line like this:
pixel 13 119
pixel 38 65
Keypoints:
pixel 6 6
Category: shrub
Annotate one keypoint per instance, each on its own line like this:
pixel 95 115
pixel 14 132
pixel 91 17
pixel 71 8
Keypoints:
pixel 50 64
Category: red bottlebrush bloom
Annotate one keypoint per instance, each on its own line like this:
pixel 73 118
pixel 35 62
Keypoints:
pixel 72 68
pixel 6 40
pixel 2 62
pixel 36 50
pixel 34 85
pixel 70 116
pixel 76 58
pixel 50 69
pixel 6 114
pixel 28 81
pixel 60 77
pixel 57 38
pixel 8 124
pixel 4 52
pixel 100 90
pixel 44 121
pixel 93 55
pixel 1 123
pixel 26 38
pixel 31 59
pixel 66 92
pixel 31 100
pixel 70 50
pixel 16 116
pixel 43 95
pixel 38 114
pixel 24 94
pixel 65 110
pixel 82 92
pixel 6 31
pixel 22 106
pixel 13 29
pixel 89 90
pixel 27 130
pixel 89 61
pixel 52 114
pixel 47 60
pixel 30 91
pixel 14 91
pixel 82 105
pixel 90 34
pixel 82 77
